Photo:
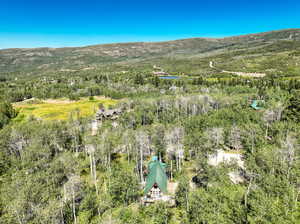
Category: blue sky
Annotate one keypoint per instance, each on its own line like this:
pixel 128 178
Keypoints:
pixel 37 23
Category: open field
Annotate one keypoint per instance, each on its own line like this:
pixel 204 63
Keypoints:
pixel 59 109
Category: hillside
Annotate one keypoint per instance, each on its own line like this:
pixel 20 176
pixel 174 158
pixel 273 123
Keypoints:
pixel 181 132
pixel 49 59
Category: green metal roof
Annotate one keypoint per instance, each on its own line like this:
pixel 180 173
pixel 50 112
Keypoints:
pixel 156 174
pixel 256 104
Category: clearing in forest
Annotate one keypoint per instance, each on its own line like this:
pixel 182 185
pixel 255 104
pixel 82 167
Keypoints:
pixel 60 109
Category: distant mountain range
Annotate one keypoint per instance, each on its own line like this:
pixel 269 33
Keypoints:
pixel 41 59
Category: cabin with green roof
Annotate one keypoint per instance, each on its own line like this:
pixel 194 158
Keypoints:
pixel 156 180
pixel 257 104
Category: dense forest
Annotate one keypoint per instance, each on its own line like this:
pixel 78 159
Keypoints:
pixel 59 171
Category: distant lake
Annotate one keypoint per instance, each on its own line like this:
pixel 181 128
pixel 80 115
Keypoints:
pixel 169 77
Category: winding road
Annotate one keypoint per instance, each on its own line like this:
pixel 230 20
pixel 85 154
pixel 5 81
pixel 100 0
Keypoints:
pixel 243 74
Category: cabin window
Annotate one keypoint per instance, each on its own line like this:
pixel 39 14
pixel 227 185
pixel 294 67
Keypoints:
pixel 155 192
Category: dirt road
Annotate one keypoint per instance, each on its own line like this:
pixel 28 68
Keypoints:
pixel 243 74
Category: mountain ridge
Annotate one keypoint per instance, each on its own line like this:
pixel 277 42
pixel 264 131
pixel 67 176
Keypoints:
pixel 166 41
pixel 41 59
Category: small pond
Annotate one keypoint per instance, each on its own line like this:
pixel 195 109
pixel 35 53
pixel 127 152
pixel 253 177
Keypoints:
pixel 169 77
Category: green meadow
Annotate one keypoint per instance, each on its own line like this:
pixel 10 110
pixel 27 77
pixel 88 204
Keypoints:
pixel 60 109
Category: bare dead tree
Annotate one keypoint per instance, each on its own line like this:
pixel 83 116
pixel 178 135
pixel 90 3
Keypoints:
pixel 214 138
pixel 143 145
pixel 271 115
pixel 174 142
pixel 72 191
pixel 287 153
pixel 235 138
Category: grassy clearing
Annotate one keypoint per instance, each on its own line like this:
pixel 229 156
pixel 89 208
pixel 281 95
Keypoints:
pixel 60 109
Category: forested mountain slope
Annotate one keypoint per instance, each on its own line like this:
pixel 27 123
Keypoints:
pixel 41 59
pixel 79 126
